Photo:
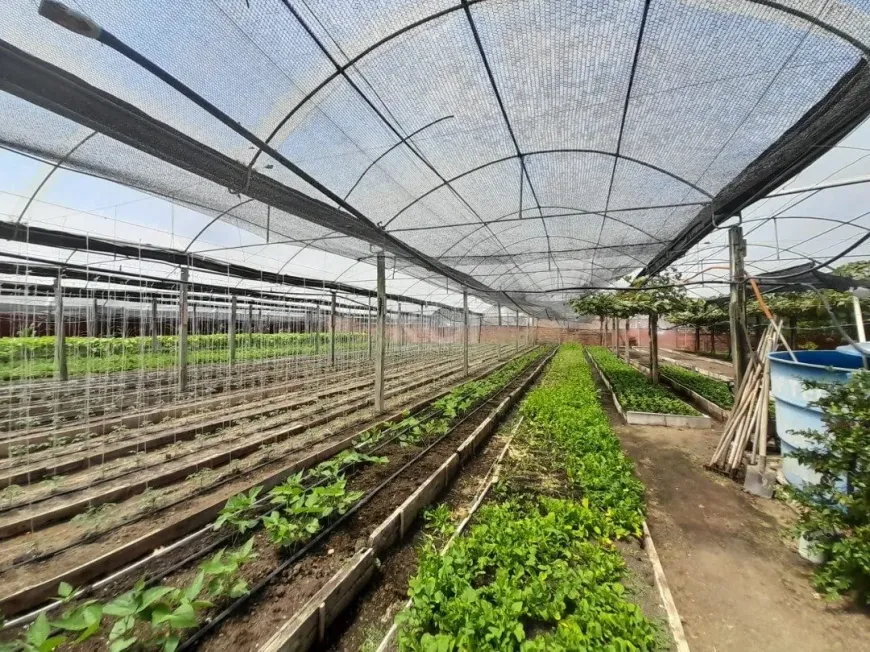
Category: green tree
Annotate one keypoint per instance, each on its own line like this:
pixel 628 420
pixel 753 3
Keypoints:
pixel 836 513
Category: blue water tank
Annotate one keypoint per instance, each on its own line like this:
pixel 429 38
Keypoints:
pixel 793 413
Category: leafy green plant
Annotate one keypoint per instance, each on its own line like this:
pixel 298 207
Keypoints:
pixel 439 520
pixel 220 573
pixel 634 390
pixel 165 612
pixel 836 510
pixel 237 511
pixel 713 390
pixel 535 572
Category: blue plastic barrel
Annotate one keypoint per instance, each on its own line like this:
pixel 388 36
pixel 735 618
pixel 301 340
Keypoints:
pixel 792 412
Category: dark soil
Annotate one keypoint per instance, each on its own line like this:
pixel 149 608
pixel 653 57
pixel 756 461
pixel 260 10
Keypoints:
pixel 292 589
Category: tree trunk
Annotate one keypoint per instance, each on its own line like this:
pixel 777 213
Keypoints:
pixel 601 330
pixel 654 348
pixel 606 332
pixel 697 338
pixel 712 340
pixel 792 332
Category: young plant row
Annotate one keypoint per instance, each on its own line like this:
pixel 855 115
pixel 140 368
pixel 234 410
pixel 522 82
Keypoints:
pixel 636 392
pixel 713 390
pixel 290 514
pixel 33 357
pixel 42 347
pixel 538 569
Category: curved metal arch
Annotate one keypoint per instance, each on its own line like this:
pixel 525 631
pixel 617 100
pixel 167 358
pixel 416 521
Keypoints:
pixel 539 152
pixel 583 212
pixel 538 237
pixel 51 172
pixel 215 219
pixel 460 7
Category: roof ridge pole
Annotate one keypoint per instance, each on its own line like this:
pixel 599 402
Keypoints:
pixel 60 363
pixel 182 331
pixel 380 345
pixel 737 303
pixel 464 332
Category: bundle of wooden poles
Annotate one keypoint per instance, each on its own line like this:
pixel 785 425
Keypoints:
pixel 749 416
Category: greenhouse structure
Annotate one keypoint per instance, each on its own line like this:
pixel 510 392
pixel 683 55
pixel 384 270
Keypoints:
pixel 434 325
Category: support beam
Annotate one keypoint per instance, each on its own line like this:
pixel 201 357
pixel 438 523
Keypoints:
pixel 369 320
pixel 182 332
pixel 155 343
pixel 654 347
pixel 61 371
pixel 627 339
pixel 332 331
pixel 249 327
pixel 737 304
pixel 517 313
pixel 92 319
pixel 464 332
pixel 231 329
pixel 381 337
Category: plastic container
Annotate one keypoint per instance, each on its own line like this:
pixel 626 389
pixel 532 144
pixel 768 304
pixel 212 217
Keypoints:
pixel 792 410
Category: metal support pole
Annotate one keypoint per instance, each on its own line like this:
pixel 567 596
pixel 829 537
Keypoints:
pixel 422 326
pixel 332 330
pixel 60 366
pixel 627 340
pixel 517 313
pixel 498 334
pixel 464 332
pixel 193 321
pixel 737 305
pixel 369 319
pixel 654 347
pixel 155 343
pixel 249 327
pixel 859 319
pixel 231 329
pixel 92 319
pixel 381 338
pixel 182 332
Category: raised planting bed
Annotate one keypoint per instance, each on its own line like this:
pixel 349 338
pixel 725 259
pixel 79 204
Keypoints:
pixel 687 364
pixel 87 543
pixel 543 563
pixel 640 401
pixel 710 395
pixel 339 467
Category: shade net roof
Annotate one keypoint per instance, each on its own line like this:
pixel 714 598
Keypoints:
pixel 521 148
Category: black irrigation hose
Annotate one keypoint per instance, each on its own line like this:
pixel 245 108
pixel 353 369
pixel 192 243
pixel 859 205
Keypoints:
pixel 223 615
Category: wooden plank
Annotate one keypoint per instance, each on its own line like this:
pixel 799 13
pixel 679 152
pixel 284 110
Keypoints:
pixel 306 627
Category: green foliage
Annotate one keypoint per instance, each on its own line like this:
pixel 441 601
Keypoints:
pixel 836 512
pixel 237 511
pixel 33 357
pixel 37 638
pixel 439 520
pixel 531 575
pixel 698 313
pixel 538 573
pixel 165 613
pixel 220 573
pixel 634 390
pixel 713 390
pixel 565 411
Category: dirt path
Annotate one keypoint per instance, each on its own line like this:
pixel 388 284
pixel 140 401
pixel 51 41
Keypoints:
pixel 734 573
